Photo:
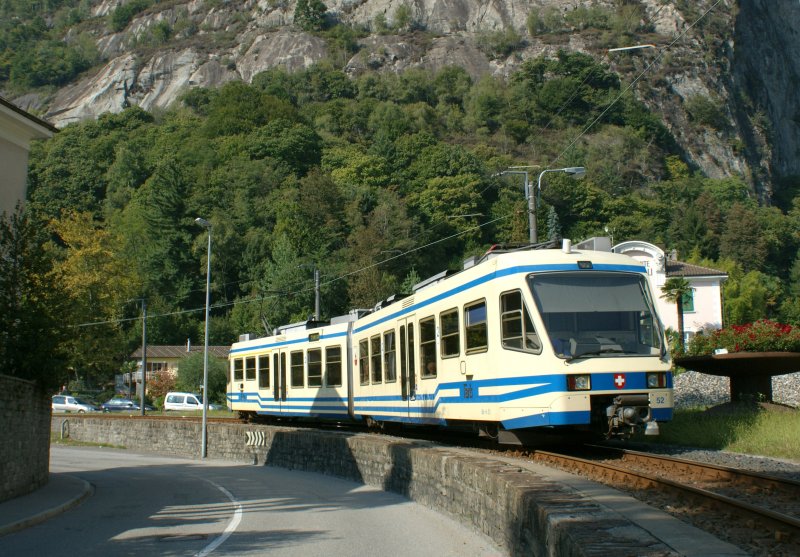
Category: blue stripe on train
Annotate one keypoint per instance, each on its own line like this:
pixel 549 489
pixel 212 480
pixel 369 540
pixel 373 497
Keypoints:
pixel 395 408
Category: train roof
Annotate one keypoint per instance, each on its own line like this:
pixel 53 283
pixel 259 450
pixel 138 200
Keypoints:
pixel 580 256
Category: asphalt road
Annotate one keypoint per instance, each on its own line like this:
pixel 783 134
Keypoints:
pixel 156 505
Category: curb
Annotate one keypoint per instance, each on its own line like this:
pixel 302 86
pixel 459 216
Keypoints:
pixel 87 490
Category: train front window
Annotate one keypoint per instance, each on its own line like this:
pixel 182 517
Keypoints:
pixel 595 314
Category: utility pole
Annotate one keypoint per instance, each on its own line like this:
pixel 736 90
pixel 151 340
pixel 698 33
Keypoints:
pixel 533 235
pixel 144 352
pixel 316 294
pixel 204 428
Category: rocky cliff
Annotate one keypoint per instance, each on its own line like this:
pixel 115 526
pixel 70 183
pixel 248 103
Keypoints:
pixel 722 75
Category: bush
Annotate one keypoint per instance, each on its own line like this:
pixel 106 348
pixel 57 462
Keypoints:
pixel 309 15
pixel 122 16
pixel 706 112
pixel 547 20
pixel 499 44
pixel 761 336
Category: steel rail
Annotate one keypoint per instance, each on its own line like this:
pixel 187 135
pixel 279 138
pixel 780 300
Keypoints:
pixel 786 524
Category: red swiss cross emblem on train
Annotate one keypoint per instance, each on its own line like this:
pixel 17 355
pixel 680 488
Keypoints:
pixel 619 380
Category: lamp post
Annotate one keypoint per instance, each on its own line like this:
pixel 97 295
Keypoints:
pixel 203 445
pixel 574 171
pixel 634 47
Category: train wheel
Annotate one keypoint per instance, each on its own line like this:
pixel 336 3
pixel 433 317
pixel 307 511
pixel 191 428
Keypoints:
pixel 373 425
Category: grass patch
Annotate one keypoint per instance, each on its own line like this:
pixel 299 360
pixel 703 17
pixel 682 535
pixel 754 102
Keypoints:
pixel 55 439
pixel 744 429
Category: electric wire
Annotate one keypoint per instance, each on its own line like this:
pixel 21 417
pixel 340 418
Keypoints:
pixel 343 276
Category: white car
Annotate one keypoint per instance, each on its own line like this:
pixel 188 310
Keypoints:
pixel 186 401
pixel 68 403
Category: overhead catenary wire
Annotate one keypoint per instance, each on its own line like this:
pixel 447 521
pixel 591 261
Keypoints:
pixel 253 299
pixel 597 119
pixel 632 83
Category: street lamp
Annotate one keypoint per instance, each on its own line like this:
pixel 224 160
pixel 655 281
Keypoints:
pixel 634 47
pixel 574 171
pixel 203 446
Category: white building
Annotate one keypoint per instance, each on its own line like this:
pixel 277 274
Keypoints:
pixel 17 129
pixel 702 309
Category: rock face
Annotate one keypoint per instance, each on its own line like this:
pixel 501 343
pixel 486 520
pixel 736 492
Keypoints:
pixel 766 75
pixel 741 55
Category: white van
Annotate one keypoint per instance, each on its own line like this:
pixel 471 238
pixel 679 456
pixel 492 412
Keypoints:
pixel 183 401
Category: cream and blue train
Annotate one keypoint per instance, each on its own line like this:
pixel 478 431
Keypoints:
pixel 515 342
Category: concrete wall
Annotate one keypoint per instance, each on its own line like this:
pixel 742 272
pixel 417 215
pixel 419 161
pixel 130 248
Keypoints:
pixel 24 437
pixel 520 510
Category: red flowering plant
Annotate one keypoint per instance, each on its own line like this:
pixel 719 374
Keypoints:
pixel 761 336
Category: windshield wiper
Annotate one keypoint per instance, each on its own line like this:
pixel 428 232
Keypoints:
pixel 599 352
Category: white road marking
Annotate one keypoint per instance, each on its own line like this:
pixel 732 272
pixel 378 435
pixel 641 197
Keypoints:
pixel 229 529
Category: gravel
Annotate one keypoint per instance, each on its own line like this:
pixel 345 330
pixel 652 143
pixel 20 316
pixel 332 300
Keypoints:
pixel 697 390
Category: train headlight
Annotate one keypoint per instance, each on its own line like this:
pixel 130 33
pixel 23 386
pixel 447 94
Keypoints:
pixel 656 380
pixel 579 382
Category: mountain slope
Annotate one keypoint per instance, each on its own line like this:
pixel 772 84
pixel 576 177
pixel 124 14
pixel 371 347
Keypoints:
pixel 720 77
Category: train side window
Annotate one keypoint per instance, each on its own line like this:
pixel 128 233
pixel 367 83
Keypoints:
pixel 451 341
pixel 333 366
pixel 250 369
pixel 296 368
pixel 389 355
pixel 263 371
pixel 238 367
pixel 516 325
pixel 427 347
pixel 375 354
pixel 315 367
pixel 363 361
pixel 476 332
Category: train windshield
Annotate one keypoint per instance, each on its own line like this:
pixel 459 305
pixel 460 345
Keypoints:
pixel 596 314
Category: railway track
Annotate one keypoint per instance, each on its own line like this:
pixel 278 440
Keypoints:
pixel 758 512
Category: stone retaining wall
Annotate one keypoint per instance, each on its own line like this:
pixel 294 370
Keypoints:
pixel 521 511
pixel 24 437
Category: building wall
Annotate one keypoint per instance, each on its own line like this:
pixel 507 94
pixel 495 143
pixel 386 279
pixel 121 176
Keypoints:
pixel 707 313
pixel 14 165
pixel 24 437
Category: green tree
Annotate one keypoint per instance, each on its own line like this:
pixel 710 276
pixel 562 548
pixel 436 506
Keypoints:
pixel 743 239
pixel 33 327
pixel 96 283
pixel 675 289
pixel 190 376
pixel 309 15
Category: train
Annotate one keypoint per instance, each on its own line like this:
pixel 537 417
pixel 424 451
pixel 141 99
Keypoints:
pixel 516 343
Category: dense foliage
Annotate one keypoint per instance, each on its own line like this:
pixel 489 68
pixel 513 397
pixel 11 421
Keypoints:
pixel 761 336
pixel 33 49
pixel 32 329
pixel 374 181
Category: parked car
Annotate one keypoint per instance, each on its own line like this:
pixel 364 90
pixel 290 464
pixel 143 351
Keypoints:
pixel 69 403
pixel 187 401
pixel 123 405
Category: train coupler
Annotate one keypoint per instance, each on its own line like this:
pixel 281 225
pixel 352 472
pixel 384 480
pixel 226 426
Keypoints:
pixel 629 412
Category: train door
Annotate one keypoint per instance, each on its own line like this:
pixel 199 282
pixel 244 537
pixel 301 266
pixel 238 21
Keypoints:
pixel 279 378
pixel 408 373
